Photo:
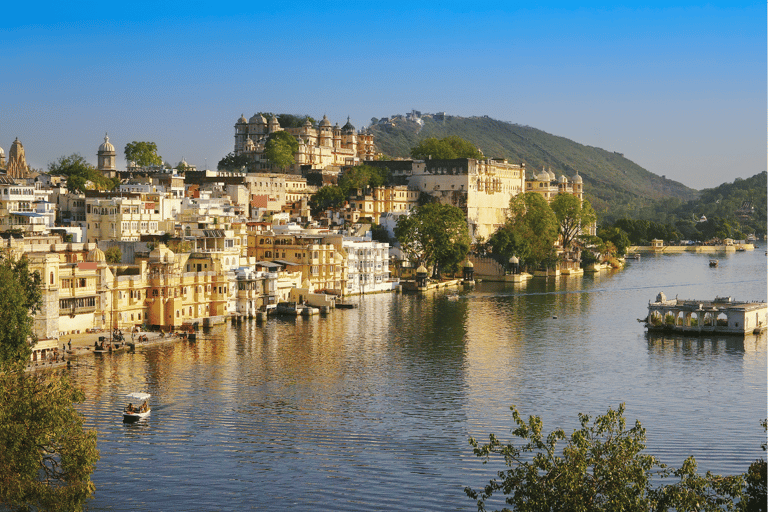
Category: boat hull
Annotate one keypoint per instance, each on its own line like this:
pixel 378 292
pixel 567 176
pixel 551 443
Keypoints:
pixel 129 417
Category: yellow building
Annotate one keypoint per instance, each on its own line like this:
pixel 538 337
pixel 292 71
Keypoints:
pixel 396 199
pixel 124 218
pixel 323 264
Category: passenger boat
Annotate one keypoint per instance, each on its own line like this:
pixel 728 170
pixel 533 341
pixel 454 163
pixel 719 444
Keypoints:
pixel 137 412
pixel 714 263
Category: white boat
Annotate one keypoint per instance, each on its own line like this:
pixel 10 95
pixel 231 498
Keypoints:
pixel 140 410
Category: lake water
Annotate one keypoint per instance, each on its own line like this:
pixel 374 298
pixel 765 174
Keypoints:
pixel 371 409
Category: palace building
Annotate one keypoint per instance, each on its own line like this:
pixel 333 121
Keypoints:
pixel 320 146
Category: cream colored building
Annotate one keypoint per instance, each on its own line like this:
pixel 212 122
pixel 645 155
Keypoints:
pixel 380 200
pixel 125 218
pixel 482 188
pixel 319 147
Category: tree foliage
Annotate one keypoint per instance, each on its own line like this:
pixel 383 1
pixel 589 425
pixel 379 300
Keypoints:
pixel 327 197
pixel 280 148
pixel 143 154
pixel 602 466
pixel 529 233
pixel 436 235
pixel 46 455
pixel 20 297
pixel 233 162
pixel 446 148
pixel 572 215
pixel 113 255
pixel 79 173
pixel 361 177
pixel 294 121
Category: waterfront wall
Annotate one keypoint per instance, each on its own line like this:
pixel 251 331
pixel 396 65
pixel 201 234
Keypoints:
pixel 677 249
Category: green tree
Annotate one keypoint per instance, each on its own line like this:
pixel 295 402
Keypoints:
pixel 46 455
pixel 435 234
pixel 20 297
pixel 113 255
pixel 529 233
pixel 233 162
pixel 757 478
pixel 617 236
pixel 445 149
pixel 363 177
pixel 602 466
pixel 572 214
pixel 328 197
pixel 280 148
pixel 79 173
pixel 143 154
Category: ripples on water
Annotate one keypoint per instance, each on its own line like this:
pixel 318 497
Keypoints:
pixel 370 409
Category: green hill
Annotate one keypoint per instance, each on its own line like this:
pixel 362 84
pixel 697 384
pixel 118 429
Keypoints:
pixel 616 186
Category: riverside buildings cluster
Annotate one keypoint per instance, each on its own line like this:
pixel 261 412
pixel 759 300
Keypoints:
pixel 169 249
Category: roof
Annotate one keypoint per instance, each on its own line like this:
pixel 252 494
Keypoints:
pixel 139 395
pixel 213 233
pixel 288 263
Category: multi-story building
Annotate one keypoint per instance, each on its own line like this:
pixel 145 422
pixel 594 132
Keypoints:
pixel 20 208
pixel 482 188
pixel 319 147
pixel 125 218
pixel 367 266
pixel 320 262
pixel 380 200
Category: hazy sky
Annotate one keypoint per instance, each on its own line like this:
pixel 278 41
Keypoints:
pixel 679 87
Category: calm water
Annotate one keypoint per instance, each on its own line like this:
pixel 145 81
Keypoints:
pixel 371 409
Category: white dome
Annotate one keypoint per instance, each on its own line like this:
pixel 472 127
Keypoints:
pixel 577 178
pixel 107 146
pixel 2 152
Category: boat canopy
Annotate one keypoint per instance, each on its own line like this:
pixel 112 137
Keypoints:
pixel 139 396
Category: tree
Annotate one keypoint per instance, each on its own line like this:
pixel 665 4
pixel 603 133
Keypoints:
pixel 757 478
pixel 113 255
pixel 143 154
pixel 617 236
pixel 46 455
pixel 280 148
pixel 572 214
pixel 530 231
pixel 329 196
pixel 601 467
pixel 20 297
pixel 315 179
pixel 435 234
pixel 445 149
pixel 79 173
pixel 362 177
pixel 233 162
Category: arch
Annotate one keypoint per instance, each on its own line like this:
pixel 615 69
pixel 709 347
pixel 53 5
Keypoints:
pixel 680 318
pixel 722 319
pixel 709 319
pixel 694 320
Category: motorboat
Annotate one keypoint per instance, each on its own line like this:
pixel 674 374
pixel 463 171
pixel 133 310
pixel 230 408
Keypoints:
pixel 136 412
pixel 713 263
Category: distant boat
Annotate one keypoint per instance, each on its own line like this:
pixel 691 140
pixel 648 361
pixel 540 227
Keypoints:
pixel 714 263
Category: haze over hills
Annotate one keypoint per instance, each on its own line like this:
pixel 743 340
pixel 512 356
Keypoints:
pixel 612 182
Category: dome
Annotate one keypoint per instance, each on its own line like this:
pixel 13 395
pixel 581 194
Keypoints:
pixel 544 176
pixel 577 178
pixel 552 176
pixel 422 269
pixel 106 146
pixel 2 152
pixel 348 127
pixel 308 123
pixel 563 179
pixel 325 121
pixel 514 260
pixel 96 255
pixel 468 264
pixel 250 145
pixel 257 119
pixel 183 163
pixel 242 119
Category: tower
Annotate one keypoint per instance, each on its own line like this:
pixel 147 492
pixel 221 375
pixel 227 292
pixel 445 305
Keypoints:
pixel 106 157
pixel 17 161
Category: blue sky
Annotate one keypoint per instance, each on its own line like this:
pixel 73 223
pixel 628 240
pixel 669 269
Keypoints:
pixel 679 88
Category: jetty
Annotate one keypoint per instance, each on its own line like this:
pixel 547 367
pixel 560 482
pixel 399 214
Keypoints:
pixel 721 315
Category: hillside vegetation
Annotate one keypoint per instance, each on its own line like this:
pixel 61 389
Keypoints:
pixel 614 185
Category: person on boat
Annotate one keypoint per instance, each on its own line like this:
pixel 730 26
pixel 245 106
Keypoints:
pixel 130 407
pixel 144 407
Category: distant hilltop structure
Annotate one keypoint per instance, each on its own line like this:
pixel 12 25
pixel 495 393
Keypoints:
pixel 320 146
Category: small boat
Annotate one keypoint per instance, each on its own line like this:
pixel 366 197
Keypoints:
pixel 714 263
pixel 134 413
